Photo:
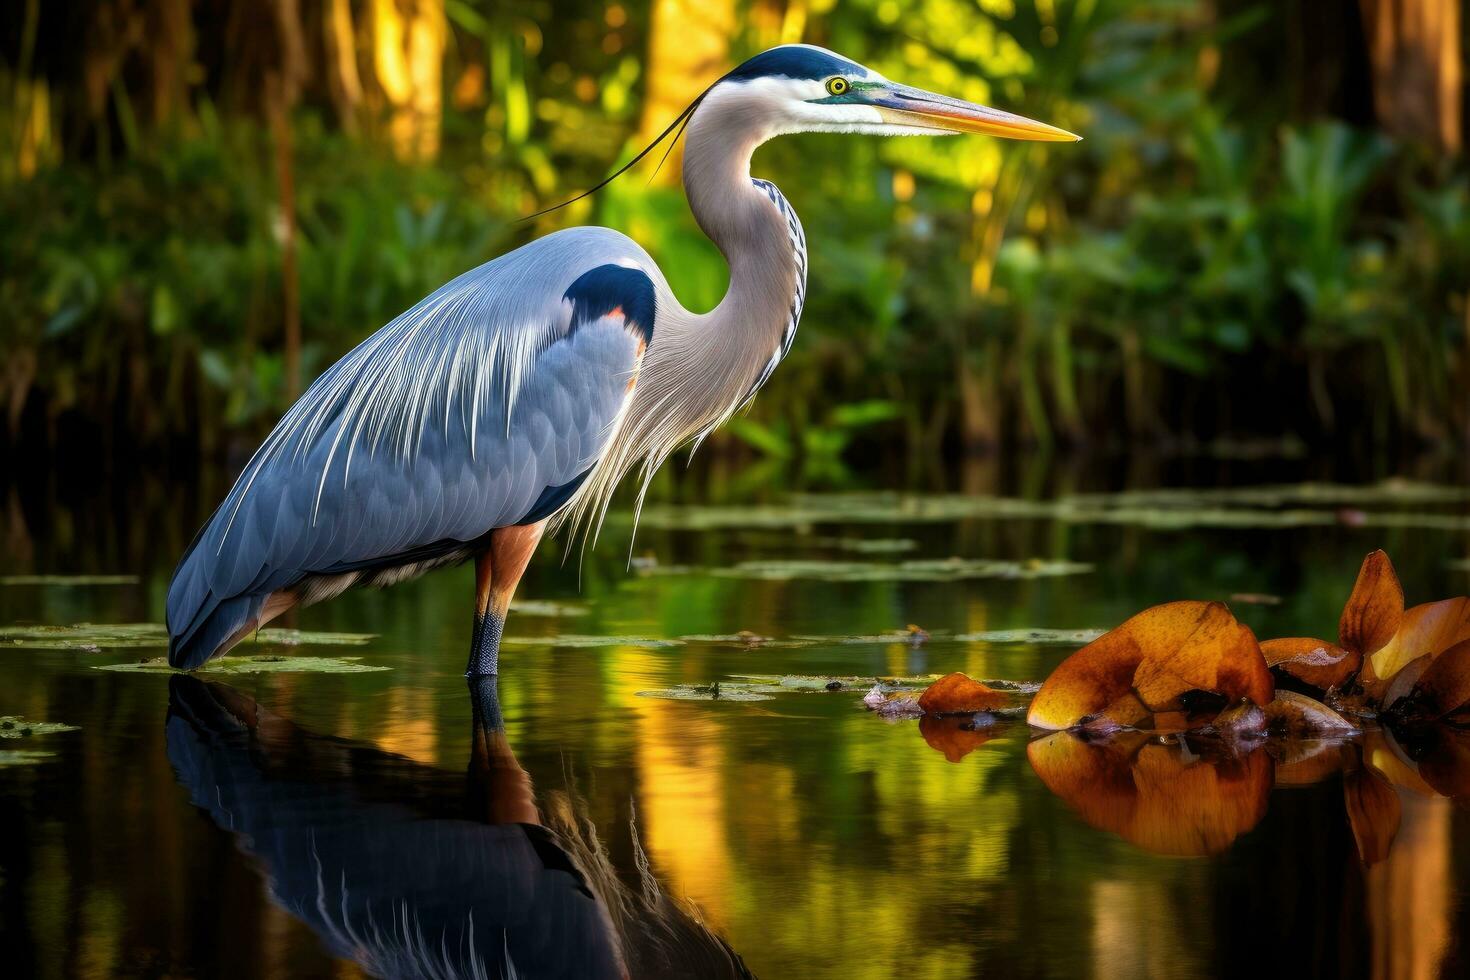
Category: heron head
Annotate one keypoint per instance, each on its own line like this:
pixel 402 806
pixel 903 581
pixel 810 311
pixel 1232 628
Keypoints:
pixel 801 88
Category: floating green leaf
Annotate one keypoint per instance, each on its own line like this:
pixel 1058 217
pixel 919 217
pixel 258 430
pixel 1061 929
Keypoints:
pixel 1299 505
pixel 14 726
pixel 575 640
pixel 929 570
pixel 541 607
pixel 1065 637
pixel 115 636
pixel 262 664
pixel 712 692
pixel 77 580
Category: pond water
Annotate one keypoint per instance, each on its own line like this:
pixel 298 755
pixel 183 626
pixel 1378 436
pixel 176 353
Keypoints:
pixel 336 824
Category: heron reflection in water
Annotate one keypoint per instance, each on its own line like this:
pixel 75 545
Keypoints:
pixel 412 871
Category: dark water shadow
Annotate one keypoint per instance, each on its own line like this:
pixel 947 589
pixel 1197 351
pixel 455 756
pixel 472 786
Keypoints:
pixel 413 871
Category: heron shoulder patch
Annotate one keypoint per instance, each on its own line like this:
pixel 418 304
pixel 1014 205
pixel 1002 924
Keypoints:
pixel 614 290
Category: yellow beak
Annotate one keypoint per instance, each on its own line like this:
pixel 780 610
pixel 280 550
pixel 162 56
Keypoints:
pixel 905 106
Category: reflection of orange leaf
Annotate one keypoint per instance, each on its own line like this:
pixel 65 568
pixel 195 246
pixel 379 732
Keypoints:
pixel 1373 811
pixel 1315 662
pixel 955 736
pixel 1445 762
pixel 1157 796
pixel 1372 613
pixel 1151 660
pixel 1302 762
pixel 1431 628
pixel 956 694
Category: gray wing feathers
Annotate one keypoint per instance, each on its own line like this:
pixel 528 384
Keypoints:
pixel 450 421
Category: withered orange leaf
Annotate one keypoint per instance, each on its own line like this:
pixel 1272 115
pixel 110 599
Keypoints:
pixel 1157 796
pixel 954 735
pixel 1149 661
pixel 1297 715
pixel 1444 686
pixel 955 694
pixel 1428 629
pixel 1315 662
pixel 1374 811
pixel 1372 613
pixel 1403 682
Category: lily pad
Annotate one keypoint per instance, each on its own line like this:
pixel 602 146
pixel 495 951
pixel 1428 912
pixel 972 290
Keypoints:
pixel 870 546
pixel 542 607
pixel 77 580
pixel 746 639
pixel 928 570
pixel 711 692
pixel 1063 637
pixel 262 664
pixel 14 726
pixel 575 640
pixel 1299 505
pixel 24 757
pixel 119 636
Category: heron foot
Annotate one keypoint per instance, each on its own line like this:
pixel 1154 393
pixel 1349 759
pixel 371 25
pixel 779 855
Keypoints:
pixel 485 645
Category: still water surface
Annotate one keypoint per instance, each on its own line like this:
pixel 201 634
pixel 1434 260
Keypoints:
pixel 340 824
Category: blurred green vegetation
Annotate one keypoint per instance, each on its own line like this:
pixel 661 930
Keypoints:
pixel 1251 244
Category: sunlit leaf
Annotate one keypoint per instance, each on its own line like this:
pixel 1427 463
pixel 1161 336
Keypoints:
pixel 1373 611
pixel 1430 629
pixel 1374 812
pixel 956 694
pixel 1163 798
pixel 1149 661
pixel 1315 662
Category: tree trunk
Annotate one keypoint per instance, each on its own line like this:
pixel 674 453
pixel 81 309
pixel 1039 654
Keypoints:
pixel 1418 75
pixel 408 53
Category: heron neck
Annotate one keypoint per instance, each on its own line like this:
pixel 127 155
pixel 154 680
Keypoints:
pixel 749 221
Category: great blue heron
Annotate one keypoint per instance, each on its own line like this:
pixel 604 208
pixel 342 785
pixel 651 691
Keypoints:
pixel 524 390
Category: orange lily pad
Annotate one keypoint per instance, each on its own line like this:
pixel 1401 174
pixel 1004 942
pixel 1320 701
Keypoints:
pixel 1373 610
pixel 1315 662
pixel 958 694
pixel 1159 797
pixel 1145 664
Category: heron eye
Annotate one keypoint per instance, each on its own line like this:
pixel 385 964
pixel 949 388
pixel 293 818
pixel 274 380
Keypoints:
pixel 837 86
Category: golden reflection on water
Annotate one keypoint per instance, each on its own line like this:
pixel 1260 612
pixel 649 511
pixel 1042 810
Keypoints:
pixel 1409 895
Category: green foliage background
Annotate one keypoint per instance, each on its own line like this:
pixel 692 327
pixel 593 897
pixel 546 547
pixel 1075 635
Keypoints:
pixel 1219 261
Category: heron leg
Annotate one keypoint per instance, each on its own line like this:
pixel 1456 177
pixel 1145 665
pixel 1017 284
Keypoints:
pixel 498 570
